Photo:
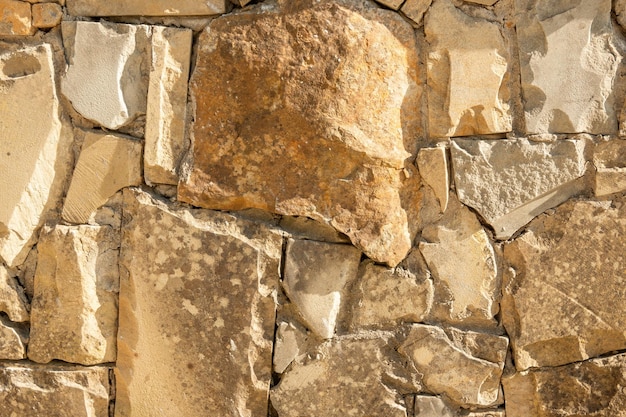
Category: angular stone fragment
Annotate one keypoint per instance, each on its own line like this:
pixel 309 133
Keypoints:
pixel 430 406
pixel 107 163
pixel 12 300
pixel 594 388
pixel 196 307
pixel 328 131
pixel 392 4
pixel 610 161
pixel 35 149
pixel 552 316
pixel 12 341
pixel 467 73
pixel 54 391
pixel 456 369
pixel 167 104
pixel 145 8
pixel 15 18
pixel 568 63
pixel 106 79
pixel 47 15
pixel 509 182
pixel 415 9
pixel 74 309
pixel 433 168
pixel 463 263
pixel 316 274
pixel 289 339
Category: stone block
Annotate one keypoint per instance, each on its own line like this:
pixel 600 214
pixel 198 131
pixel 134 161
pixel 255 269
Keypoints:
pixel 13 340
pixel 12 300
pixel 15 18
pixel 392 4
pixel 433 167
pixel 415 9
pixel 146 8
pixel 47 15
pixel 609 159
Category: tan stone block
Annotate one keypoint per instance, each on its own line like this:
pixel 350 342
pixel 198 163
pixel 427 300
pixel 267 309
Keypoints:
pixel 146 8
pixel 47 15
pixel 483 2
pixel 15 18
pixel 13 340
pixel 74 309
pixel 392 4
pixel 107 163
pixel 415 9
pixel 433 167
pixel 288 345
pixel 609 159
pixel 12 299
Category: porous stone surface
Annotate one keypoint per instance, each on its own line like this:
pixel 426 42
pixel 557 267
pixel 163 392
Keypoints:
pixel 40 149
pixel 433 167
pixel 145 8
pixel 167 104
pixel 328 132
pixel 552 317
pixel 74 308
pixel 468 89
pixel 196 307
pixel 12 340
pixel 107 75
pixel 107 163
pixel 12 300
pixel 15 18
pixel 568 64
pixel 47 15
pixel 594 388
pixel 509 182
pixel 54 390
pixel 609 159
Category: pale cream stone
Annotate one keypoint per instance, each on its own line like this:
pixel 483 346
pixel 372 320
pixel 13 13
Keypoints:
pixel 609 159
pixel 15 18
pixel 197 312
pixel 47 15
pixel 107 163
pixel 433 166
pixel 569 63
pixel 35 149
pixel 429 406
pixel 509 182
pixel 12 341
pixel 316 276
pixel 415 9
pixel 167 104
pixel 146 8
pixel 74 308
pixel 467 73
pixel 287 345
pixel 12 299
pixel 106 79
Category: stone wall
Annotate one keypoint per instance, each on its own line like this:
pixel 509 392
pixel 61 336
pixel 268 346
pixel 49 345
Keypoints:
pixel 304 208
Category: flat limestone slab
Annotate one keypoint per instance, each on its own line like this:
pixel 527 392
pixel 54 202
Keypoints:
pixel 196 312
pixel 146 7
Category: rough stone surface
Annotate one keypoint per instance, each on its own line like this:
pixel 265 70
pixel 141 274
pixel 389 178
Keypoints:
pixel 54 391
pixel 196 307
pixel 107 163
pixel 458 367
pixel 392 4
pixel 433 167
pixel 15 18
pixel 464 267
pixel 415 9
pixel 316 274
pixel 564 288
pixel 564 45
pixel 47 15
pixel 12 341
pixel 431 406
pixel 167 103
pixel 106 79
pixel 509 182
pixel 330 129
pixel 145 8
pixel 40 149
pixel 467 73
pixel 595 388
pixel 483 2
pixel 609 159
pixel 288 342
pixel 619 6
pixel 74 308
pixel 12 300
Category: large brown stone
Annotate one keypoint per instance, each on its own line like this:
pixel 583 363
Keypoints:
pixel 309 108
pixel 196 312
pixel 564 288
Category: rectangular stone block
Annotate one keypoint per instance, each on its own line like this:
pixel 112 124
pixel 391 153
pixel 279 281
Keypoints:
pixel 146 7
pixel 15 18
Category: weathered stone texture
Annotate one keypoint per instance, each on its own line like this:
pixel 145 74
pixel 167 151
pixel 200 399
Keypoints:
pixel 431 406
pixel 509 182
pixel 568 63
pixel 609 159
pixel 468 89
pixel 415 9
pixel 47 15
pixel 196 307
pixel 329 131
pixel 287 344
pixel 433 167
pixel 54 391
pixel 13 340
pixel 35 138
pixel 15 18
pixel 564 288
pixel 145 8
pixel 12 300
pixel 74 308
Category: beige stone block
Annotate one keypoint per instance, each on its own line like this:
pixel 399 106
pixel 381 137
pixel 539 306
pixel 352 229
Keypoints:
pixel 47 15
pixel 12 300
pixel 569 61
pixel 482 2
pixel 15 18
pixel 433 167
pixel 392 4
pixel 467 73
pixel 13 340
pixel 54 390
pixel 328 132
pixel 38 141
pixel 609 159
pixel 197 308
pixel 288 345
pixel 107 163
pixel 431 406
pixel 167 104
pixel 74 309
pixel 415 9
pixel 564 285
pixel 146 8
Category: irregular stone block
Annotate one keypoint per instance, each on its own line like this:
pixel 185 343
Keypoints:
pixel 74 309
pixel 464 267
pixel 47 15
pixel 167 104
pixel 509 182
pixel 467 73
pixel 392 4
pixel 455 369
pixel 619 6
pixel 430 406
pixel 433 167
pixel 328 132
pixel 316 274
pixel 145 8
pixel 12 341
pixel 568 63
pixel 610 161
pixel 415 9
pixel 15 18
pixel 107 163
pixel 106 79
pixel 41 149
pixel 53 390
pixel 592 388
pixel 12 299
pixel 552 316
pixel 289 339
pixel 196 307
